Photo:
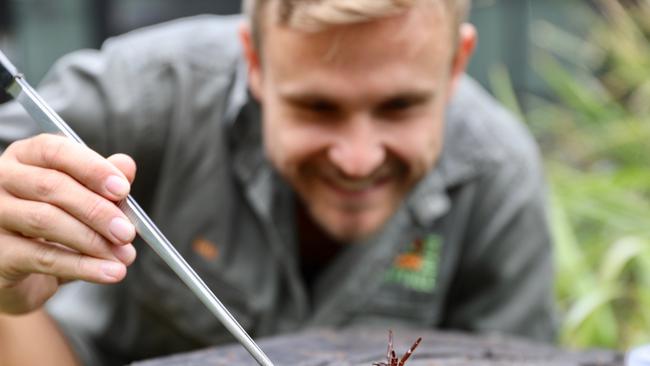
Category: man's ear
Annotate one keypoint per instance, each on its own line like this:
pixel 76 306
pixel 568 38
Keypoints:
pixel 466 43
pixel 253 59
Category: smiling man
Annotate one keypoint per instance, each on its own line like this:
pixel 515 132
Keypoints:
pixel 326 164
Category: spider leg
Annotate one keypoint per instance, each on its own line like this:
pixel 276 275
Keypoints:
pixel 390 345
pixel 409 352
pixel 393 358
pixel 388 351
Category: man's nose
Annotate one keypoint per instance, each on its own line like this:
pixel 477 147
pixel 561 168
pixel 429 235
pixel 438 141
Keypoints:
pixel 358 149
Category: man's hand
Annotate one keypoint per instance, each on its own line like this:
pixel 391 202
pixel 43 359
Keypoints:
pixel 58 219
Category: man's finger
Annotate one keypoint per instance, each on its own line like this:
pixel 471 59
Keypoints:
pixel 41 220
pixel 31 256
pixel 78 161
pixel 125 164
pixel 103 216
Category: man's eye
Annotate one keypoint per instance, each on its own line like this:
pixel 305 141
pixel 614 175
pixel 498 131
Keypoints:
pixel 320 107
pixel 317 109
pixel 396 105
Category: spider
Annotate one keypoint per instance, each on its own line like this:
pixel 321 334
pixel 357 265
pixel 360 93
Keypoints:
pixel 391 357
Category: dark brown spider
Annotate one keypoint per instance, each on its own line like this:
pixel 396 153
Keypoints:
pixel 391 357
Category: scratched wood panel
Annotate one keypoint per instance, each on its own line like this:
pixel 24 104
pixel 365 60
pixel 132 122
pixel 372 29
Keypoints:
pixel 354 347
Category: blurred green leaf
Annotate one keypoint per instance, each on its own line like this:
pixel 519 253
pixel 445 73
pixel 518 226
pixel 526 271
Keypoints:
pixel 588 305
pixel 619 255
pixel 501 86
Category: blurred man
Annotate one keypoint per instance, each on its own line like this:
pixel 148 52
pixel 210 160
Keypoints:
pixel 360 178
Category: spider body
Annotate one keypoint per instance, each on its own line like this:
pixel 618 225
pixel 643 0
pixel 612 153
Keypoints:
pixel 391 357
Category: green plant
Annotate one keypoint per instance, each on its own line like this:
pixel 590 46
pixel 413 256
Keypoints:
pixel 595 136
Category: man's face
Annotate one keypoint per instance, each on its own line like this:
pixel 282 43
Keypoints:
pixel 353 115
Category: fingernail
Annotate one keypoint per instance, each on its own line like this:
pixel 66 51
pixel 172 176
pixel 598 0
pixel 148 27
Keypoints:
pixel 112 270
pixel 123 230
pixel 117 185
pixel 125 253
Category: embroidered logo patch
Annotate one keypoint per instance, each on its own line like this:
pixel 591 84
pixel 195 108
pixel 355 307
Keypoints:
pixel 417 269
pixel 205 248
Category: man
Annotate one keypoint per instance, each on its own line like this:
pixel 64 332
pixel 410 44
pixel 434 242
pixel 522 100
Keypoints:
pixel 364 179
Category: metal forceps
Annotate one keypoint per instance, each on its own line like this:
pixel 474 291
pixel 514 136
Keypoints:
pixel 14 83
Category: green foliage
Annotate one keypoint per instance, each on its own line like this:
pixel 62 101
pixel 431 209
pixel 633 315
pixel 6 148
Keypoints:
pixel 595 135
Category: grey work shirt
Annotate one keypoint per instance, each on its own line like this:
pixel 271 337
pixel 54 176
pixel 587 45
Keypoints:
pixel 469 248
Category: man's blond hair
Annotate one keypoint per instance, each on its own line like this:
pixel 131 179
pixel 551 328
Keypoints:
pixel 313 15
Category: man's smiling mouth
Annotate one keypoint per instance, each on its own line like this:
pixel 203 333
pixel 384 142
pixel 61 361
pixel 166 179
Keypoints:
pixel 356 187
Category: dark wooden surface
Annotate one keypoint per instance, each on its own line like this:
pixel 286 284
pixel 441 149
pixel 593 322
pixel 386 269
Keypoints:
pixel 364 346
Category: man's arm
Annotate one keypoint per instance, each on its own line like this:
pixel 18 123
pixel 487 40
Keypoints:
pixel 126 98
pixel 56 210
pixel 33 339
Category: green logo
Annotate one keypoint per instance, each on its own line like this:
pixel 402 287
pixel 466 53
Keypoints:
pixel 417 269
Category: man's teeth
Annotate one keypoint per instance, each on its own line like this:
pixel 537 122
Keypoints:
pixel 355 185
